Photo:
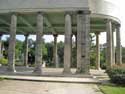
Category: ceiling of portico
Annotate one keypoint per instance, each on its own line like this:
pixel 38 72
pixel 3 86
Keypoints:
pixel 53 23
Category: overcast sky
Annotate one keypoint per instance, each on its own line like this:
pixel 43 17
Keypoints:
pixel 119 3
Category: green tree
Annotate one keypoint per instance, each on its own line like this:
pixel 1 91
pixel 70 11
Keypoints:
pixel 19 49
pixel 61 53
pixel 5 46
pixel 49 55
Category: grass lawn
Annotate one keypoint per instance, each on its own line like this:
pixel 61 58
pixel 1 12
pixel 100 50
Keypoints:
pixel 112 89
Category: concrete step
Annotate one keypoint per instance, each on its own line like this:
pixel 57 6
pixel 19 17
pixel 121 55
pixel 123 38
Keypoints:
pixel 53 79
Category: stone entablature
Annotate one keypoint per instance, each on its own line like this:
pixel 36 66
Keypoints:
pixel 32 5
pixel 102 7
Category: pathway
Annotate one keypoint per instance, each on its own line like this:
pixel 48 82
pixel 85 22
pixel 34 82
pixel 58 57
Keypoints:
pixel 31 87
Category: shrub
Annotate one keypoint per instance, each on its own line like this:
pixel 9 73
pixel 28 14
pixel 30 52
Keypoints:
pixel 117 74
pixel 103 65
pixel 3 61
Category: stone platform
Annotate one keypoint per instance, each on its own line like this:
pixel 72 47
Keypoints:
pixel 55 75
pixel 53 79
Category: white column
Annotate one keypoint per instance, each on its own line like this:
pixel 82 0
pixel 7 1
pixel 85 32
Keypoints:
pixel 1 55
pixel 76 48
pixel 118 46
pixel 113 46
pixel 55 56
pixel 68 41
pixel 109 44
pixel 38 49
pixel 12 42
pixel 97 52
pixel 26 51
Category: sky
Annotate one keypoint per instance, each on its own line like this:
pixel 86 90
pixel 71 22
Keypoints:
pixel 119 3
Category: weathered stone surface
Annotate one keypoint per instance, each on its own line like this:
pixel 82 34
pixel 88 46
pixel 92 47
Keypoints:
pixel 68 41
pixel 86 44
pixel 79 30
pixel 97 52
pixel 83 42
pixel 109 54
pixel 38 49
pixel 12 42
pixel 113 46
pixel 118 46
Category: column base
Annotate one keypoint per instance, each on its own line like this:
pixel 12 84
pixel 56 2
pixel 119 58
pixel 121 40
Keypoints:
pixel 26 66
pixel 11 70
pixel 80 71
pixel 57 65
pixel 98 69
pixel 38 70
pixel 67 71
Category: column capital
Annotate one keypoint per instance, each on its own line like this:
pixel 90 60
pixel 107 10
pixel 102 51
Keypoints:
pixel 97 33
pixel 118 25
pixel 26 35
pixel 14 13
pixel 113 25
pixel 84 12
pixel 69 12
pixel 41 12
pixel 107 20
pixel 55 35
pixel 75 33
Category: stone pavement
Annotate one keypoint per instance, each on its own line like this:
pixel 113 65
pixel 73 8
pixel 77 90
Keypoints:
pixel 51 82
pixel 31 87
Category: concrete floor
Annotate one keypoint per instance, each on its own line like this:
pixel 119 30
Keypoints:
pixel 34 87
pixel 30 87
pixel 21 70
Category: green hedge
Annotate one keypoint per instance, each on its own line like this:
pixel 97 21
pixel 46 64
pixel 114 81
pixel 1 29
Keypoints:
pixel 3 61
pixel 117 74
